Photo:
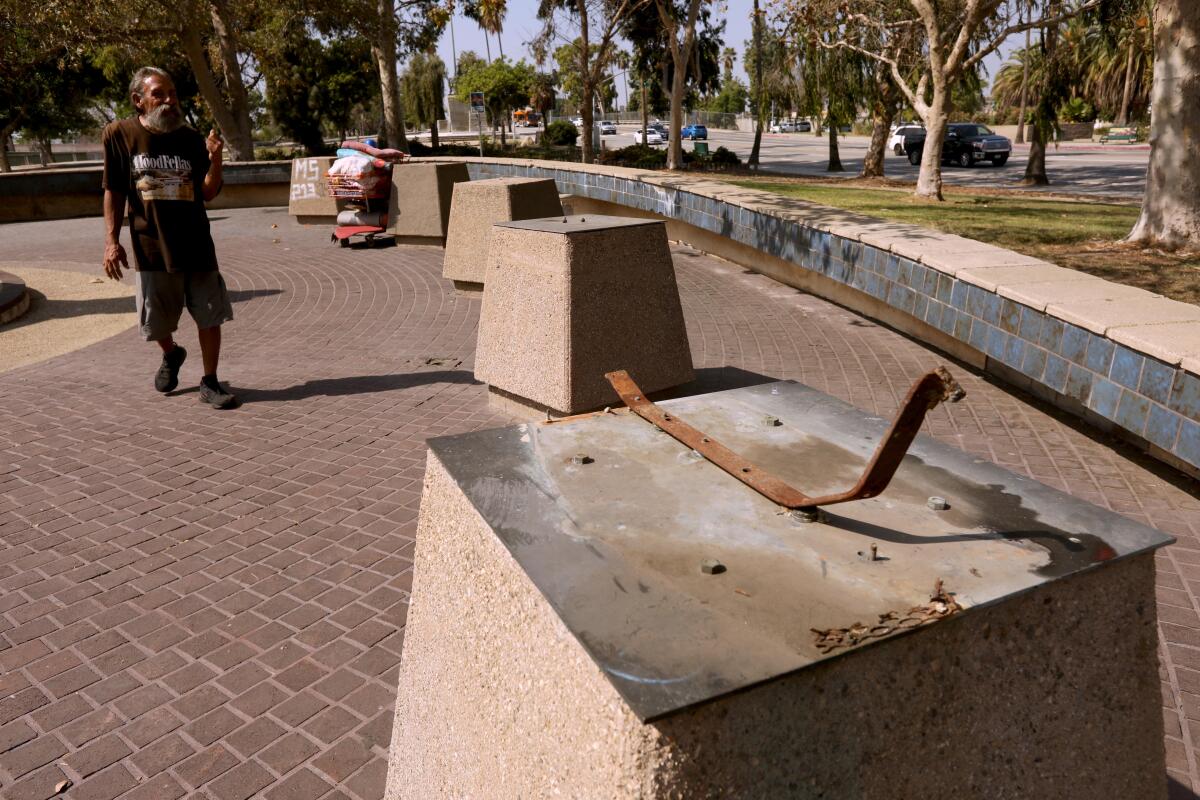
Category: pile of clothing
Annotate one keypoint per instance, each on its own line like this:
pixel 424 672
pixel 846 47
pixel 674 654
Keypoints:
pixel 362 169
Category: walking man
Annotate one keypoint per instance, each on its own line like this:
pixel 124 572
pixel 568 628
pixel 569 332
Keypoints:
pixel 165 171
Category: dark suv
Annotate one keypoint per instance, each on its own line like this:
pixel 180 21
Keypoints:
pixel 965 144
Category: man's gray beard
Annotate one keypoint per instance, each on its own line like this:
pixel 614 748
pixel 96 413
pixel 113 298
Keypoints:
pixel 161 120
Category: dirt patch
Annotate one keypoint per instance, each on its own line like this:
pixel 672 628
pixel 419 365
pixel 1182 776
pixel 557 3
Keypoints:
pixel 69 310
pixel 1168 274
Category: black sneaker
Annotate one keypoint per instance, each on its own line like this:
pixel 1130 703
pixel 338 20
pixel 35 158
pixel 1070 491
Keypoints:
pixel 217 398
pixel 167 377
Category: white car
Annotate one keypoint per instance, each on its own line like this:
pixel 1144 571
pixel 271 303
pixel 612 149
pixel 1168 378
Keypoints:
pixel 896 142
pixel 652 137
pixel 608 128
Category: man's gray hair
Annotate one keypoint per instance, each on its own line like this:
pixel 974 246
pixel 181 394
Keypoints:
pixel 139 78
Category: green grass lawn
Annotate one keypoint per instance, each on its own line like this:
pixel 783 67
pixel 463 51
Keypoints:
pixel 1080 235
pixel 1012 222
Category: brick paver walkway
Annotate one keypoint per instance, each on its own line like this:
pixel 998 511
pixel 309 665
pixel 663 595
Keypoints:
pixel 211 604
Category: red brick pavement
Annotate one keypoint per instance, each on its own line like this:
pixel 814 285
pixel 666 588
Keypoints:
pixel 211 604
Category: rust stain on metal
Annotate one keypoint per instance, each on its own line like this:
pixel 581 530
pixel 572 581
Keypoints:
pixel 941 605
pixel 929 390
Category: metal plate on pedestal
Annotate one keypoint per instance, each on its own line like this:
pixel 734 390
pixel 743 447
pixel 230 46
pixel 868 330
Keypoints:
pixel 618 524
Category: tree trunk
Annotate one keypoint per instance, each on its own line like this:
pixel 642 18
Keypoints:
pixel 45 152
pixel 674 140
pixel 241 139
pixel 5 132
pixel 835 161
pixel 758 101
pixel 882 114
pixel 1127 94
pixel 1035 167
pixel 936 119
pixel 1171 207
pixel 1046 115
pixel 681 57
pixel 194 48
pixel 589 84
pixel 384 52
pixel 433 134
pixel 645 113
pixel 1024 92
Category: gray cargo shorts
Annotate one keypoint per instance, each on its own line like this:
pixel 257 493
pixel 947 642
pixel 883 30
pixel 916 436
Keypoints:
pixel 162 296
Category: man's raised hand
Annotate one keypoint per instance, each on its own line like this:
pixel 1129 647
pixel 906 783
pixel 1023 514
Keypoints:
pixel 214 143
pixel 114 260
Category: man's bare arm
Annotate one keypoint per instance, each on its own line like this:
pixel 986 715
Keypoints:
pixel 114 254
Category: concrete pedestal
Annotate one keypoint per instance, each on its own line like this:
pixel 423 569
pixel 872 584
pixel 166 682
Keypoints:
pixel 562 641
pixel 478 205
pixel 309 200
pixel 419 210
pixel 569 299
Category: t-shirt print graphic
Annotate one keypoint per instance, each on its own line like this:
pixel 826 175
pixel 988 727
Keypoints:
pixel 162 178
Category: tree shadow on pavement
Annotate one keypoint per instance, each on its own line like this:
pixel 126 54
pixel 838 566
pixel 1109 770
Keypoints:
pixel 359 384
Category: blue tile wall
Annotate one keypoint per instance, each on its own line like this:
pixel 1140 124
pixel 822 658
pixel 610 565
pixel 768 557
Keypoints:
pixel 1156 401
pixel 1126 367
pixel 1104 399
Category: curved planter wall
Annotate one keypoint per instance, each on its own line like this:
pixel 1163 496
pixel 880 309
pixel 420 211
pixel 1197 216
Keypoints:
pixel 1123 358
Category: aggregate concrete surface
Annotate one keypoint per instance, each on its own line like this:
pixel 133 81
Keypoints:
pixel 212 604
pixel 70 309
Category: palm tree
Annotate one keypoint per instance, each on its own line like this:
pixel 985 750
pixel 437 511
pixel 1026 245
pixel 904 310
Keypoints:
pixel 489 15
pixel 541 92
pixel 728 56
pixel 1117 64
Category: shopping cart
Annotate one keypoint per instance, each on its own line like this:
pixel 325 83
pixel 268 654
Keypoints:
pixel 366 211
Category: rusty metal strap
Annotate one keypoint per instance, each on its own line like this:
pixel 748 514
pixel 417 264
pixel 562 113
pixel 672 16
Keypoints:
pixel 932 388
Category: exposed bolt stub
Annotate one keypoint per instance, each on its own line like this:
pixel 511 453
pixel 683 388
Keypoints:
pixel 771 422
pixel 805 514
pixel 710 566
pixel 579 459
pixel 937 503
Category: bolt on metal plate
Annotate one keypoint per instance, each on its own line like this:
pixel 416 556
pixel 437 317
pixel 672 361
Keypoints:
pixel 937 503
pixel 710 566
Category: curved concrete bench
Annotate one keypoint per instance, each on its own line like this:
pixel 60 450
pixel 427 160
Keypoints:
pixel 14 297
pixel 1123 358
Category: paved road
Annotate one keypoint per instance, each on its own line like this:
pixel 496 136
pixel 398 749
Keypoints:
pixel 1073 167
pixel 212 604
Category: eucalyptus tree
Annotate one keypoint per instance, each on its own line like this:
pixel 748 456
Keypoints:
pixel 395 29
pixel 956 36
pixel 208 32
pixel 1170 215
pixel 596 25
pixel 679 27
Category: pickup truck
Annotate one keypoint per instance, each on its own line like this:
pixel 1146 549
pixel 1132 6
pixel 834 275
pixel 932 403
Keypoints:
pixel 965 144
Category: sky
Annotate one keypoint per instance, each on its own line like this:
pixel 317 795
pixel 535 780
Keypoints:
pixel 522 25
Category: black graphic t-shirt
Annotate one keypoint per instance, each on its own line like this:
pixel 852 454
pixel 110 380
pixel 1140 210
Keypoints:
pixel 162 178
